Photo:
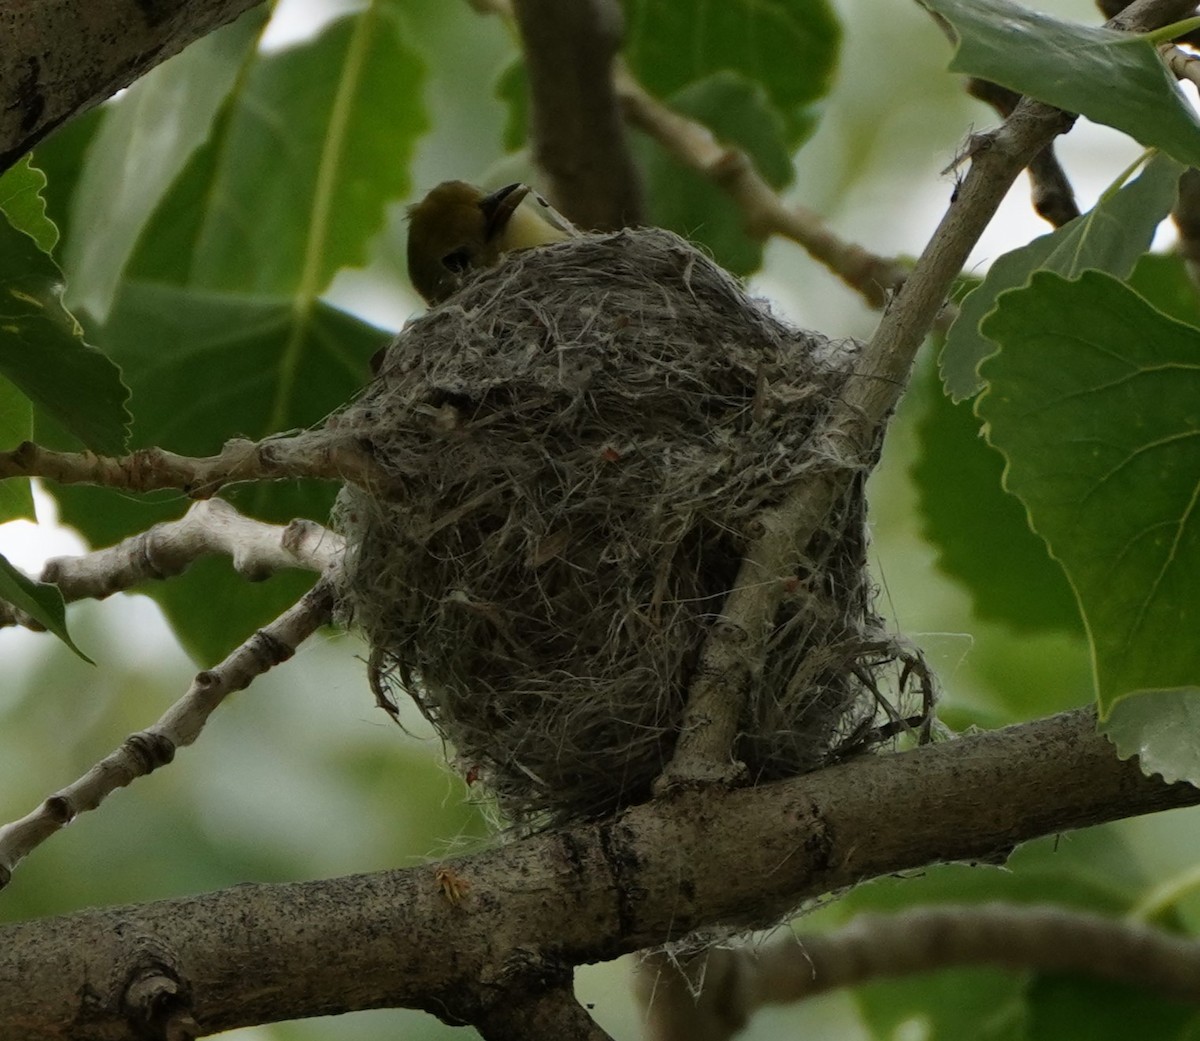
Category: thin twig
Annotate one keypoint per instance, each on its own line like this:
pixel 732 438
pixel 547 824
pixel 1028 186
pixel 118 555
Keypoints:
pixel 210 527
pixel 316 454
pixel 579 139
pixel 763 212
pixel 146 750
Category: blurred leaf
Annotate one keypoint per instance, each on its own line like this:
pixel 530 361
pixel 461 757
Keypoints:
pixel 788 49
pixel 981 1004
pixel 22 203
pixel 40 600
pixel 964 507
pixel 297 175
pixel 1093 401
pixel 1103 1010
pixel 212 608
pixel 16 425
pixel 1111 77
pixel 512 87
pixel 739 114
pixel 1163 280
pixel 1109 237
pixel 146 139
pixel 1160 728
pixel 43 353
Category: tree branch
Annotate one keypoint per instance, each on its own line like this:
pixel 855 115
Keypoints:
pixel 61 57
pixel 578 136
pixel 742 858
pixel 145 751
pixel 209 527
pixel 717 990
pixel 320 454
pixel 549 1013
pixel 1053 196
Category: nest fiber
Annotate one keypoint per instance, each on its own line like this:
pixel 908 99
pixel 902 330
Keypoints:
pixel 572 453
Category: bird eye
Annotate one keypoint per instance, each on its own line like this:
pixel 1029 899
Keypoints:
pixel 458 260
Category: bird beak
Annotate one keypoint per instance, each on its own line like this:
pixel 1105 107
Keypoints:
pixel 498 208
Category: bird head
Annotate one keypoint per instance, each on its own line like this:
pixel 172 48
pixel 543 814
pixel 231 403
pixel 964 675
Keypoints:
pixel 458 227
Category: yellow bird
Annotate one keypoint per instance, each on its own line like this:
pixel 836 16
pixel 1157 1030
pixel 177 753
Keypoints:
pixel 458 227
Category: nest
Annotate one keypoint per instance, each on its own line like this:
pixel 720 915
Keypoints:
pixel 573 452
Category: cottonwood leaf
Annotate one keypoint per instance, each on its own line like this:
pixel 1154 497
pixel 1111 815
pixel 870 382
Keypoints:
pixel 1112 77
pixel 146 139
pixel 22 203
pixel 297 176
pixel 1094 400
pixel 1109 237
pixel 40 600
pixel 42 350
pixel 965 509
pixel 789 48
pixel 16 425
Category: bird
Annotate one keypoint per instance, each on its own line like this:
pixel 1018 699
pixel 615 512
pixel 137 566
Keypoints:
pixel 458 227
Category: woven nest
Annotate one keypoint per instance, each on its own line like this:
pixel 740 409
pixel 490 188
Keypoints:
pixel 575 448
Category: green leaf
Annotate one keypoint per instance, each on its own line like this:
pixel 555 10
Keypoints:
pixel 62 157
pixel 43 353
pixel 153 129
pixel 1109 237
pixel 739 113
pixel 789 48
pixel 1164 281
pixel 16 425
pixel 40 600
pixel 1103 1010
pixel 1111 77
pixel 1159 727
pixel 1093 401
pixel 298 175
pixel 964 507
pixel 982 1004
pixel 208 366
pixel 22 203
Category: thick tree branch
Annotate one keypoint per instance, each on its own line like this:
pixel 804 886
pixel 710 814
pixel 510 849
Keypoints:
pixel 742 858
pixel 209 527
pixel 546 1013
pixel 578 135
pixel 61 57
pixel 147 750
